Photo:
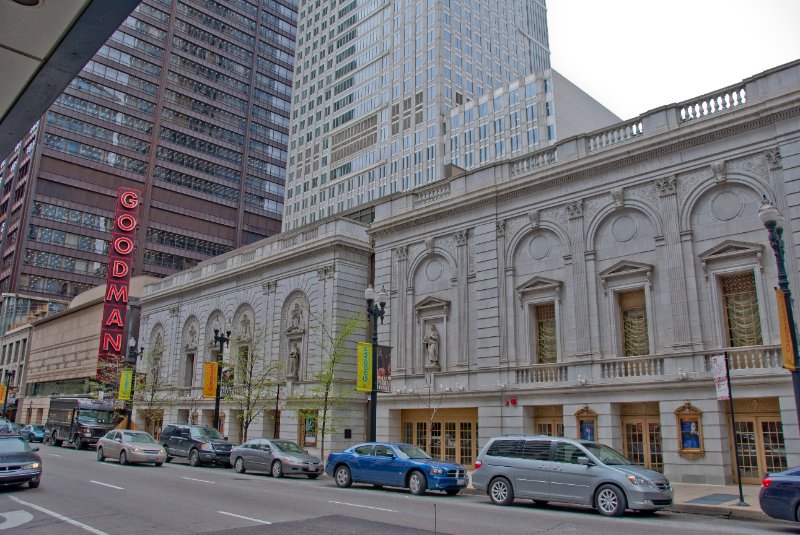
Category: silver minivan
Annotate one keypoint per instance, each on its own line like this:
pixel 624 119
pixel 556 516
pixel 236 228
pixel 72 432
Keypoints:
pixel 557 469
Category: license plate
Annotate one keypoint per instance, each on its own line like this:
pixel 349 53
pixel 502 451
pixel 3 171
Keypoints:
pixel 461 481
pixel 151 457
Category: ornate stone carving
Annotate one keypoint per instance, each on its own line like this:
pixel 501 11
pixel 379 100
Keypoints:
pixel 666 185
pixel 534 216
pixel 460 237
pixel 557 215
pixel 325 272
pixel 269 287
pixel 430 343
pixel 191 337
pixel 690 181
pixel 294 360
pixel 429 245
pixel 500 228
pixel 773 157
pixel 718 168
pixel 755 165
pixel 296 323
pixel 593 205
pixel 401 253
pixel 574 209
pixel 245 330
pixel 644 192
pixel 618 194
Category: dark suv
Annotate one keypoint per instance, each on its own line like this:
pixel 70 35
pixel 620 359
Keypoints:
pixel 19 463
pixel 199 444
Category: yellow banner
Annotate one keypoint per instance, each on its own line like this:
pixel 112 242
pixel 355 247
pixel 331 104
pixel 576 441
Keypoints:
pixel 364 367
pixel 786 332
pixel 210 380
pixel 125 383
pixel 3 392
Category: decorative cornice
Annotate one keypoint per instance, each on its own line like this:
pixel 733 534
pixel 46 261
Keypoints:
pixel 607 165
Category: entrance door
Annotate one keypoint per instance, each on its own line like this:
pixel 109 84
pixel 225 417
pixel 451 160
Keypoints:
pixel 761 449
pixel 452 435
pixel 642 441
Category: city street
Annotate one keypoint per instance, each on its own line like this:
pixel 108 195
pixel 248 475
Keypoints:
pixel 80 495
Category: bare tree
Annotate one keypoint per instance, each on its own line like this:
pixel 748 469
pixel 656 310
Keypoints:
pixel 152 392
pixel 331 386
pixel 250 381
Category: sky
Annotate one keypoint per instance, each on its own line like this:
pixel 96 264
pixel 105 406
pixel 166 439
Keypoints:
pixel 636 55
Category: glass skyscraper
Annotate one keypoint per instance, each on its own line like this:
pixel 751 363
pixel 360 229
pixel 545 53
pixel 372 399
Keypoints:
pixel 374 83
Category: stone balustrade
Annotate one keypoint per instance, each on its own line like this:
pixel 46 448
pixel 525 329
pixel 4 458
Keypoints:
pixel 712 104
pixel 535 160
pixel 619 134
pixel 431 193
pixel 542 373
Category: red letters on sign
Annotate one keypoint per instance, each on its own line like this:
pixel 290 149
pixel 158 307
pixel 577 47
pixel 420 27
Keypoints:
pixel 112 330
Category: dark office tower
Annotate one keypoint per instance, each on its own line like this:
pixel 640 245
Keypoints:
pixel 188 101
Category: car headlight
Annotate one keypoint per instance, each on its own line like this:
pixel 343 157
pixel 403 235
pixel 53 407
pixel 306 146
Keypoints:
pixel 206 447
pixel 292 460
pixel 162 452
pixel 31 466
pixel 137 450
pixel 639 481
pixel 437 471
pixel 87 432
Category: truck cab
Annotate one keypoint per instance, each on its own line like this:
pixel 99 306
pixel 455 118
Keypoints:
pixel 78 420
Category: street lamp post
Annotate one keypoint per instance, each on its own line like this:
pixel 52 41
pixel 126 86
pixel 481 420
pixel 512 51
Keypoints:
pixel 133 358
pixel 222 340
pixel 9 374
pixel 773 221
pixel 375 311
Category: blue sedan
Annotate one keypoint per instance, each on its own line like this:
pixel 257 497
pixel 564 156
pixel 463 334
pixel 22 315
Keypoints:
pixel 395 465
pixel 780 495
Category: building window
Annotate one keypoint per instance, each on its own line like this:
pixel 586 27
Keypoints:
pixel 633 312
pixel 546 346
pixel 742 318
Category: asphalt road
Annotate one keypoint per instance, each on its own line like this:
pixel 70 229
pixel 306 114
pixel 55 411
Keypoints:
pixel 80 495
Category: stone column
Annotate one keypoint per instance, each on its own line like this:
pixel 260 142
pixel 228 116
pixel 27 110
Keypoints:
pixel 503 319
pixel 401 314
pixel 674 262
pixel 578 254
pixel 462 258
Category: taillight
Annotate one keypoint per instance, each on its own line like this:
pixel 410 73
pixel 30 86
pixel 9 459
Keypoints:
pixel 766 483
pixel 478 464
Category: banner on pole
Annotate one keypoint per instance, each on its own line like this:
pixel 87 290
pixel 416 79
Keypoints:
pixel 786 332
pixel 364 367
pixel 125 384
pixel 210 380
pixel 720 369
pixel 384 369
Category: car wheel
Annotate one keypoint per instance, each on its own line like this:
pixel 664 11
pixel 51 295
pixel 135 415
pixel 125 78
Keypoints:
pixel 797 513
pixel 277 469
pixel 313 476
pixel 79 443
pixel 123 457
pixel 194 458
pixel 610 501
pixel 100 456
pixel 55 440
pixel 343 477
pixel 159 464
pixel 167 451
pixel 501 492
pixel 417 483
pixel 35 482
pixel 238 465
pixel 452 492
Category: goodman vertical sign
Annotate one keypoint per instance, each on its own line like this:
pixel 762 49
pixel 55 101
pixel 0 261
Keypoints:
pixel 115 307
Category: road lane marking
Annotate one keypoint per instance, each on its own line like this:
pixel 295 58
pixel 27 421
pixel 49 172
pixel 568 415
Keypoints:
pixel 363 506
pixel 59 516
pixel 245 517
pixel 54 455
pixel 14 519
pixel 200 480
pixel 107 485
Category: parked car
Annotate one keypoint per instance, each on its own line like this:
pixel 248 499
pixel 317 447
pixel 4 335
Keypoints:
pixel 395 465
pixel 130 447
pixel 11 428
pixel 19 463
pixel 33 433
pixel 545 469
pixel 780 494
pixel 199 444
pixel 278 457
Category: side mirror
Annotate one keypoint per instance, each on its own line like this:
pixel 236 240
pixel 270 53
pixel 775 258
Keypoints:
pixel 35 448
pixel 225 438
pixel 585 461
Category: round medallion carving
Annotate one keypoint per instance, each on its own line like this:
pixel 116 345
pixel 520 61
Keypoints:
pixel 624 228
pixel 434 270
pixel 539 247
pixel 726 205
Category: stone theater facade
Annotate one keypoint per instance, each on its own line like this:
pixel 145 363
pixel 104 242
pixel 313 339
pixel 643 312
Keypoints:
pixel 581 290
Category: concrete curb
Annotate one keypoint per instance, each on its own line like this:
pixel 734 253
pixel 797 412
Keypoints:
pixel 735 513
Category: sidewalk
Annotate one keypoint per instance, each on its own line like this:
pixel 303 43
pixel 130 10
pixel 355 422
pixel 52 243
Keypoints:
pixel 712 500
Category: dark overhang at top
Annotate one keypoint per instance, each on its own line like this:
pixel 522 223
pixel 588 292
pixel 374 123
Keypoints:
pixel 43 45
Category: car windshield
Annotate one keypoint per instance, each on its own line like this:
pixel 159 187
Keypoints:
pixel 412 452
pixel 288 447
pixel 205 432
pixel 605 454
pixel 37 428
pixel 89 416
pixel 14 445
pixel 142 438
